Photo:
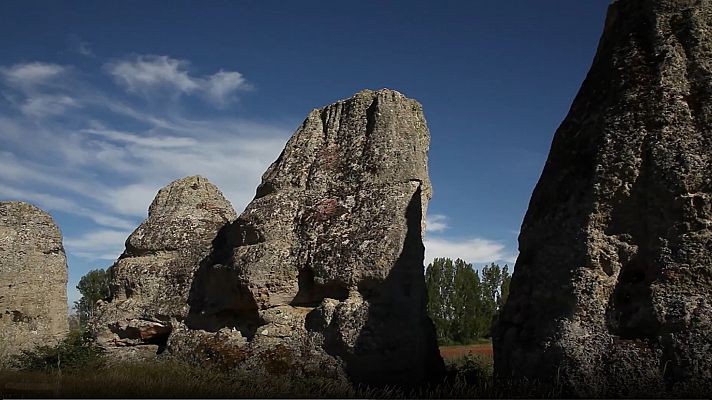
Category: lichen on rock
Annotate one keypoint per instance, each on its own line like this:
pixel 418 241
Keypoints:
pixel 326 263
pixel 151 280
pixel 611 291
pixel 33 279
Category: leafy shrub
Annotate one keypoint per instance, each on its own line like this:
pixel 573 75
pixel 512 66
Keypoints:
pixel 472 368
pixel 75 351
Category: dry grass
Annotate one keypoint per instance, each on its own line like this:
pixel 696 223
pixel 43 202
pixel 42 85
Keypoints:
pixel 158 380
pixel 169 379
pixel 468 377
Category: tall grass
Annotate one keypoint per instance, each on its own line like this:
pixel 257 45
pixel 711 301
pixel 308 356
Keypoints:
pixel 88 376
pixel 467 378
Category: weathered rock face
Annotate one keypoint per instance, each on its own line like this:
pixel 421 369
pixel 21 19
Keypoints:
pixel 326 263
pixel 612 291
pixel 33 279
pixel 151 280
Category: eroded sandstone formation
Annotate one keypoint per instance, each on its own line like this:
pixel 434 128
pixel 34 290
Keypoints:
pixel 33 279
pixel 612 290
pixel 323 271
pixel 151 280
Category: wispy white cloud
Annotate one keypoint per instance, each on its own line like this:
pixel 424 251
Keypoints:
pixel 436 223
pixel 74 147
pixel 114 172
pixel 150 142
pixel 475 250
pixel 47 105
pixel 36 88
pixel 55 203
pixel 148 71
pixel 221 86
pixel 31 74
pixel 147 74
pixel 102 244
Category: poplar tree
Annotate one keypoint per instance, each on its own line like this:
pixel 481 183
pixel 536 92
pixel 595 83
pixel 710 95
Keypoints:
pixel 463 303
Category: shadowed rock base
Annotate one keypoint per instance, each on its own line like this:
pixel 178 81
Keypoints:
pixel 611 293
pixel 322 274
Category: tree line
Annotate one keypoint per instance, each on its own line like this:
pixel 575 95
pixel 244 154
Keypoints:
pixel 462 302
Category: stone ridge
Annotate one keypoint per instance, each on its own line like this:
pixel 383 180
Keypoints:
pixel 151 280
pixel 33 277
pixel 611 291
pixel 328 257
pixel 373 145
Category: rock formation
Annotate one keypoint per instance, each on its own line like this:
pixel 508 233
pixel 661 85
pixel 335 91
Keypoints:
pixel 151 280
pixel 33 279
pixel 612 290
pixel 323 271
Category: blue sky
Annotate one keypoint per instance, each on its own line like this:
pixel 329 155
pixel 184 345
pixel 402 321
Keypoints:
pixel 102 103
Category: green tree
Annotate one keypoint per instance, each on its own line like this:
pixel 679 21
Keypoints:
pixel 465 302
pixel 93 286
pixel 495 286
pixel 439 282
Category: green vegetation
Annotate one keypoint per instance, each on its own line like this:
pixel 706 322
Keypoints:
pixel 160 379
pixel 461 302
pixel 170 379
pixel 468 377
pixel 93 286
pixel 75 351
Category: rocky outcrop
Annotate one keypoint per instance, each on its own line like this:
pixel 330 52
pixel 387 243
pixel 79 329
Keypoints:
pixel 33 279
pixel 323 271
pixel 151 280
pixel 612 290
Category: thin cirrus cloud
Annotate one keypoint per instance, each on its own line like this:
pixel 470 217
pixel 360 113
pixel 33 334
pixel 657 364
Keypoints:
pixel 31 74
pixel 436 223
pixel 103 244
pixel 106 157
pixel 35 89
pixel 147 74
pixel 472 250
pixel 91 152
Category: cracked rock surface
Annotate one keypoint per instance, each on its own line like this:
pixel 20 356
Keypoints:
pixel 612 290
pixel 151 280
pixel 33 279
pixel 323 271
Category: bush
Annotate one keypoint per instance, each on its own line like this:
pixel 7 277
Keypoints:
pixel 472 368
pixel 75 351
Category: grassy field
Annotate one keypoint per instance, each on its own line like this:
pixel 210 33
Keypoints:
pixel 157 380
pixel 174 380
pixel 84 373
